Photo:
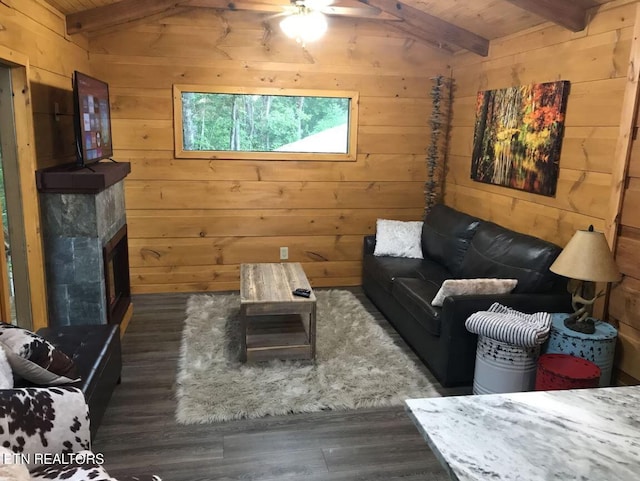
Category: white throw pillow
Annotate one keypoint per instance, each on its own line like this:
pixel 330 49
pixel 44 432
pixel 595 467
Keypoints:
pixel 398 238
pixel 6 374
pixel 459 287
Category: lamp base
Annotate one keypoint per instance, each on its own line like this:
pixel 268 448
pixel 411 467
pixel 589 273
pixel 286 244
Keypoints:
pixel 586 326
pixel 582 298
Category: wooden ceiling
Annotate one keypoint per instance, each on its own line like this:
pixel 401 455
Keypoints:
pixel 449 24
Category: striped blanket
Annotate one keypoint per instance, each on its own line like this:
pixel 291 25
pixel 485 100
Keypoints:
pixel 508 325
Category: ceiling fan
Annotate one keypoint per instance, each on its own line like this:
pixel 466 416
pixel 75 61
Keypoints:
pixel 306 21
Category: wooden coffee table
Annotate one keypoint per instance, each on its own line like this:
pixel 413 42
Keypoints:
pixel 274 323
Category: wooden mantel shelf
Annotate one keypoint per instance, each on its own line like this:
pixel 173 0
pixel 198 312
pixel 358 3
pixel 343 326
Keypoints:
pixel 71 179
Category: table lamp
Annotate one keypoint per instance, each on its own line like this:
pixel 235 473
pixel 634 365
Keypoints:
pixel 585 260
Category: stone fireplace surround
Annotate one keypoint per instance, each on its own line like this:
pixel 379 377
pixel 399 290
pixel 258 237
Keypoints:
pixel 78 230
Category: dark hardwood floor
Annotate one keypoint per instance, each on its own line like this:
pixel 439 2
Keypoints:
pixel 140 435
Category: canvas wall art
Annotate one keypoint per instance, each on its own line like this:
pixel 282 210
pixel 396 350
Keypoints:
pixel 518 135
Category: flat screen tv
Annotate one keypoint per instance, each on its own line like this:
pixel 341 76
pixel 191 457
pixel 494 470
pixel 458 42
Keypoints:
pixel 92 119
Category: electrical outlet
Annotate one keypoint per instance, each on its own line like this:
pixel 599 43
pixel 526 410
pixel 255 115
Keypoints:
pixel 284 253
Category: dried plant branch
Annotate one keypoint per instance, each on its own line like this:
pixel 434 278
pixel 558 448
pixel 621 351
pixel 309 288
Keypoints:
pixel 441 93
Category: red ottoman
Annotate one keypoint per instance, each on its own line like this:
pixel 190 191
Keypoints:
pixel 562 371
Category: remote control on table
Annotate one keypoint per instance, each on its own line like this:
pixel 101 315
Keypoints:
pixel 301 292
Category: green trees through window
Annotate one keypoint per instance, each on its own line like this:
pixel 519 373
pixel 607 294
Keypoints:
pixel 228 123
pixel 258 123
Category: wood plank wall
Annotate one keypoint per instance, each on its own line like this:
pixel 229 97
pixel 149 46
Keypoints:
pixel 595 62
pixel 34 31
pixel 624 302
pixel 38 31
pixel 192 222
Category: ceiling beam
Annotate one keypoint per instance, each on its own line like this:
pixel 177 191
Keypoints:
pixel 117 13
pixel 422 36
pixel 435 29
pixel 280 6
pixel 563 12
pixel 236 5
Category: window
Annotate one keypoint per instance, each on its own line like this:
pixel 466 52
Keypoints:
pixel 266 124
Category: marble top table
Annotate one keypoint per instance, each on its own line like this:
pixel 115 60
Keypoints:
pixel 583 434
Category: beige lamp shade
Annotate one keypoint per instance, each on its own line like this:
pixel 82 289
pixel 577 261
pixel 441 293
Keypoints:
pixel 587 257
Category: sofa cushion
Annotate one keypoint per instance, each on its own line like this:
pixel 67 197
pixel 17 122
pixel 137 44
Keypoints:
pixel 499 252
pixel 385 269
pixel 431 271
pixel 446 234
pixel 416 295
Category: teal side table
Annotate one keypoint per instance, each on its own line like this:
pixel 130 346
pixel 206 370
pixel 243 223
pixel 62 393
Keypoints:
pixel 598 347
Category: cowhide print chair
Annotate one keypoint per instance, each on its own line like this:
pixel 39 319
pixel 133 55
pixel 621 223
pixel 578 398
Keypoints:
pixel 46 430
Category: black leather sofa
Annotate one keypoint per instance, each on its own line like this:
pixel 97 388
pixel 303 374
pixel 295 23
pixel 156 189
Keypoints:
pixel 456 246
pixel 96 352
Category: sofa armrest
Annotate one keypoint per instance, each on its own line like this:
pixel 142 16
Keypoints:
pixel 369 244
pixel 456 309
pixel 44 420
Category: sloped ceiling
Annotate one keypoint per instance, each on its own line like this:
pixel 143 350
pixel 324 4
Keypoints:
pixel 449 24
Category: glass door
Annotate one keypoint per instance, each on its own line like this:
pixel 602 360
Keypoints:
pixel 7 291
pixel 22 276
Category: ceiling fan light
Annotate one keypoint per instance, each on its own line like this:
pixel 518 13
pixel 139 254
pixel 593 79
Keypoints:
pixel 315 26
pixel 304 26
pixel 289 26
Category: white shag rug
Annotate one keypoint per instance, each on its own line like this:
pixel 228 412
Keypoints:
pixel 357 365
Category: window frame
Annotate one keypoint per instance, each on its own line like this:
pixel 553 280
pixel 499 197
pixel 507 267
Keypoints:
pixel 181 153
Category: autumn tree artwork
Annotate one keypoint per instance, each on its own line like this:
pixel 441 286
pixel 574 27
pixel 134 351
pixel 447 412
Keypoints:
pixel 518 135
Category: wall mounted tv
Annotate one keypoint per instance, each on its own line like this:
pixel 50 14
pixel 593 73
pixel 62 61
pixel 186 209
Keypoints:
pixel 92 119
